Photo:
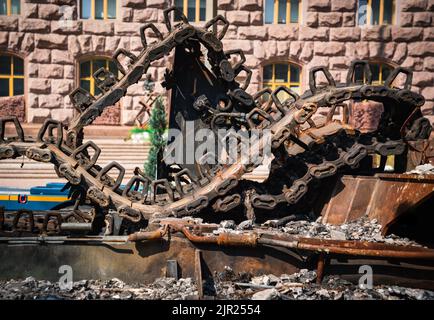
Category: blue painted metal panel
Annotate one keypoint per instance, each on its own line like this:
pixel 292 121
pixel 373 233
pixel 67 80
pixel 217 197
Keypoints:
pixel 48 191
pixel 37 198
pixel 31 205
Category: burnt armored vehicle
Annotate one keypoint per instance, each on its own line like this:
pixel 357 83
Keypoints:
pixel 208 87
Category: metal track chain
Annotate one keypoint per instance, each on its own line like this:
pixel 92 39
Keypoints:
pixel 291 123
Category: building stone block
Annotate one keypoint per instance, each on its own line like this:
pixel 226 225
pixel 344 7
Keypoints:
pixel 39 86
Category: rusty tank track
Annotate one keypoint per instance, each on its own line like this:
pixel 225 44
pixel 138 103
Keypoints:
pixel 304 150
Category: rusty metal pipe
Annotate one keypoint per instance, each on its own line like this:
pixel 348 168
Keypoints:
pixel 429 254
pixel 352 244
pixel 252 239
pixel 198 239
pixel 234 239
pixel 148 235
pixel 362 250
pixel 224 239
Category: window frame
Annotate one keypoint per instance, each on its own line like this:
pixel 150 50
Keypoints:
pixel 288 13
pixel 381 65
pixel 90 78
pixel 273 84
pixel 9 8
pixel 381 14
pixel 12 76
pixel 197 10
pixel 92 11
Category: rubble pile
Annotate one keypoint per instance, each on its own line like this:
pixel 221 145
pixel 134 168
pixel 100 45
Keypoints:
pixel 114 289
pixel 422 169
pixel 361 229
pixel 302 286
pixel 225 285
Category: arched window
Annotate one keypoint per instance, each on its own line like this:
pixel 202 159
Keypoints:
pixel 380 71
pixel 282 11
pixel 8 7
pixel 11 75
pixel 194 10
pixel 376 12
pixel 282 74
pixel 98 9
pixel 88 67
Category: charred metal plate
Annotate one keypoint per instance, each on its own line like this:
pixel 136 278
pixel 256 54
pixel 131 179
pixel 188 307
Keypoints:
pixel 137 262
pixel 349 200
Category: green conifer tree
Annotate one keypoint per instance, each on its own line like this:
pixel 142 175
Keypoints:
pixel 157 126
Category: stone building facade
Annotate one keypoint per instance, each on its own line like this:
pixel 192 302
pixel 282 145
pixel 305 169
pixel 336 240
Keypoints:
pixel 52 39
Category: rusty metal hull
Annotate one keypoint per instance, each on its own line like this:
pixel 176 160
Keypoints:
pixel 144 262
pixel 137 262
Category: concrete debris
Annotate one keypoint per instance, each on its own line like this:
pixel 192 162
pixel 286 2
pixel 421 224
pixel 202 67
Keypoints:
pixel 246 225
pixel 362 229
pixel 260 280
pixel 267 294
pixel 229 275
pixel 302 286
pixel 272 279
pixel 114 289
pixel 228 224
pixel 225 285
pixel 427 168
pixel 338 235
pixel 231 225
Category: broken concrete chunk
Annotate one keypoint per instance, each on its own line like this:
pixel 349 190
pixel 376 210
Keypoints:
pixel 268 294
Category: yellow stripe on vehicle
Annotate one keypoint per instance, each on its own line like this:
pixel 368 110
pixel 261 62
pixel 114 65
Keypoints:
pixel 35 198
pixel 50 199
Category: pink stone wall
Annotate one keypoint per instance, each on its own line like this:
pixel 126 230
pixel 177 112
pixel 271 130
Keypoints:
pixel 13 106
pixel 366 115
pixel 328 35
pixel 110 116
